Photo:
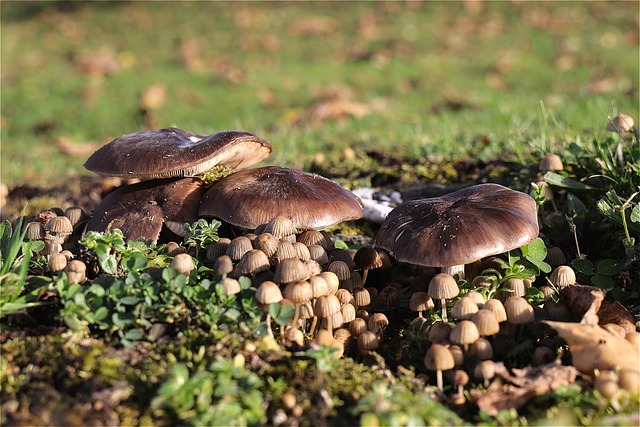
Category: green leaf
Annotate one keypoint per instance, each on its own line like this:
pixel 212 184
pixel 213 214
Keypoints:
pixel 558 180
pixel 133 335
pixel 232 314
pixel 583 266
pixel 603 282
pixel 135 262
pixel 109 265
pixel 609 267
pixel 101 313
pixel 5 236
pixel 576 208
pixel 607 207
pixel 635 214
pixel 130 300
pixel 536 250
pixel 245 283
pixel 121 320
pixel 339 244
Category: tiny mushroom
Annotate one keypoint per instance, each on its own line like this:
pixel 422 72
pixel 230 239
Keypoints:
pixel 443 286
pixel 174 152
pixel 460 227
pixel 252 197
pixel 438 358
pixel 140 210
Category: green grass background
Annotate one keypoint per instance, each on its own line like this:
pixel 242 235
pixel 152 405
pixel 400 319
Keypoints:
pixel 440 80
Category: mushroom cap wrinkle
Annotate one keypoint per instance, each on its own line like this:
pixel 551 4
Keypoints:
pixel 139 210
pixel 174 152
pixel 252 197
pixel 460 227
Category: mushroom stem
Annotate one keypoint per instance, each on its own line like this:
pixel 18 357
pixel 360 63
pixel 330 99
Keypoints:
pixel 269 331
pixel 296 317
pixel 330 324
pixel 460 390
pixel 314 325
pixel 452 270
pixel 365 272
pixel 439 380
pixel 443 303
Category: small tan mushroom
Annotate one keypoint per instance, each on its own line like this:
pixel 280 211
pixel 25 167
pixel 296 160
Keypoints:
pixel 460 379
pixel 485 371
pixel 442 287
pixel 420 301
pixel 562 276
pixel 76 271
pixel 486 322
pixel 464 309
pixel 291 270
pixel 551 162
pixel 267 243
pixel 218 248
pixel 367 258
pixel 268 293
pixel 183 264
pixel 223 266
pixel 57 262
pixel 439 332
pixel 438 358
pixel 464 334
pixel 497 308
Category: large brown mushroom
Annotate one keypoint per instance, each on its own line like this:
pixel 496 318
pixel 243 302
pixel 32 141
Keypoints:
pixel 460 227
pixel 174 152
pixel 140 210
pixel 250 198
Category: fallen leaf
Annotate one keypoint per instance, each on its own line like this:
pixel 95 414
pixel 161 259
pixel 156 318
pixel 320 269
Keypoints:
pixel 523 385
pixel 593 347
pixel 76 149
pixel 616 314
pixel 582 300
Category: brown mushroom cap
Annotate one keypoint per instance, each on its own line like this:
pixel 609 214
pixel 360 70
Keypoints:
pixel 139 210
pixel 174 152
pixel 252 197
pixel 460 227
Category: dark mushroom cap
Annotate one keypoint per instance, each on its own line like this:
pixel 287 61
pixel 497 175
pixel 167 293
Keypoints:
pixel 249 198
pixel 139 210
pixel 460 227
pixel 174 152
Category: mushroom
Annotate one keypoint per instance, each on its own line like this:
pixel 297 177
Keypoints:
pixel 140 210
pixel 183 264
pixel 460 379
pixel 268 293
pixel 442 287
pixel 420 301
pixel 174 152
pixel 438 358
pixel 460 227
pixel 253 197
pixel 367 258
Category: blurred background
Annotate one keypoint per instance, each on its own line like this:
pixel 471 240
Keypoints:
pixel 429 80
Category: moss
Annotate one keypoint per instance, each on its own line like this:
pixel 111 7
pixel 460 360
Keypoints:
pixel 215 174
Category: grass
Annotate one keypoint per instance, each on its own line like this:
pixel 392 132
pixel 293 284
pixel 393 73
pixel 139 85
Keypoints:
pixel 434 76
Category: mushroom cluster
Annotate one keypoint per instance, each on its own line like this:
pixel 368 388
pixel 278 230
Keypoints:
pixel 169 163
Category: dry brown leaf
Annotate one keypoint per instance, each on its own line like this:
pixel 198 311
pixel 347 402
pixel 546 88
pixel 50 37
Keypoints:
pixel 582 299
pixel 616 314
pixel 593 347
pixel 525 384
pixel 77 149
